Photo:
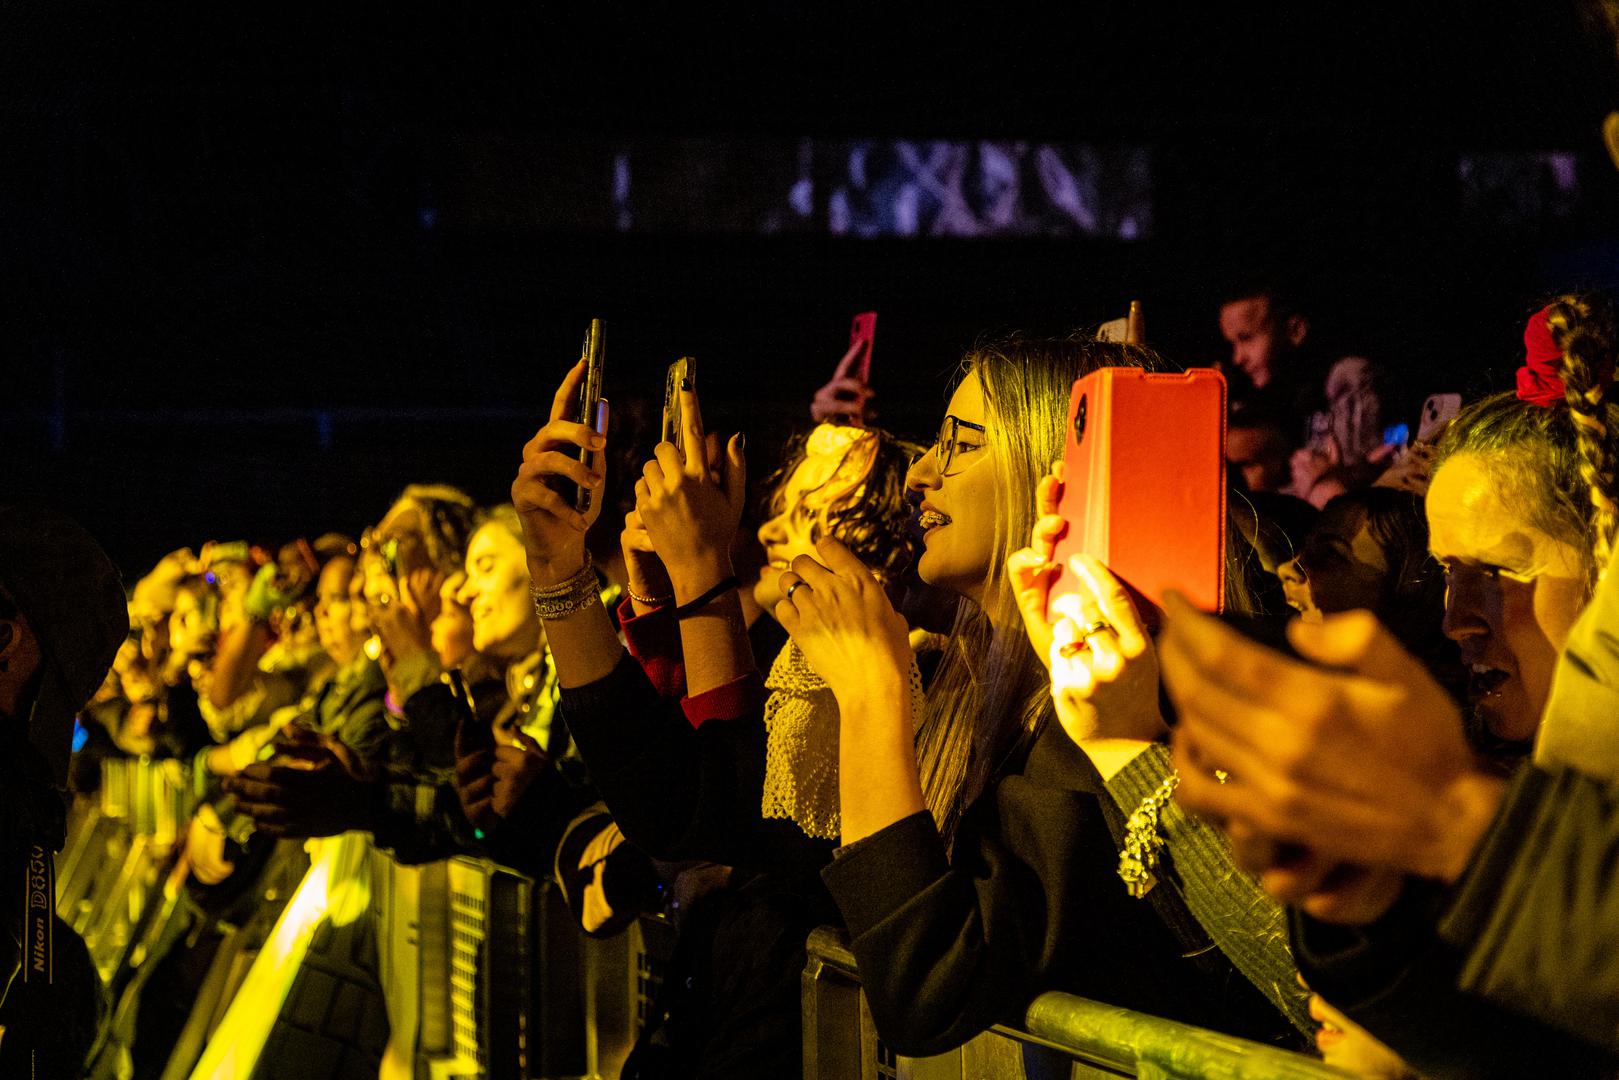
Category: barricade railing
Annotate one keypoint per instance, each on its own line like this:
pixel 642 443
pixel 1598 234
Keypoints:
pixel 112 866
pixel 1062 1035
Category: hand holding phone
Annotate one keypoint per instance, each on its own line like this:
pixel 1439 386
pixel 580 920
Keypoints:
pixel 844 398
pixel 590 409
pixel 681 377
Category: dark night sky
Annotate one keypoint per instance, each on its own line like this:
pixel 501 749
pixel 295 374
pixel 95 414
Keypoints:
pixel 211 221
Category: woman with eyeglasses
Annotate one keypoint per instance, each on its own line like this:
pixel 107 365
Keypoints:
pixel 980 854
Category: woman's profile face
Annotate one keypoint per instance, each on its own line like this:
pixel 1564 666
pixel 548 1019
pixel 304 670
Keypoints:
pixel 334 623
pixel 959 500
pixel 790 532
pixel 496 592
pixel 1340 566
pixel 1512 593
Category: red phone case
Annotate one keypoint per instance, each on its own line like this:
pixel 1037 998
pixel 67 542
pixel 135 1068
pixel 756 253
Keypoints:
pixel 1146 492
pixel 864 332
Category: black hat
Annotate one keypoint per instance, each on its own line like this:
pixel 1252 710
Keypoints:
pixel 69 591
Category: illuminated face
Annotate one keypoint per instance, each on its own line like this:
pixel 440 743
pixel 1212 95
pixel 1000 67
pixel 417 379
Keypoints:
pixel 959 507
pixel 334 623
pixel 1257 340
pixel 1340 567
pixel 790 533
pixel 452 630
pixel 194 623
pixel 1512 593
pixel 496 591
pixel 359 614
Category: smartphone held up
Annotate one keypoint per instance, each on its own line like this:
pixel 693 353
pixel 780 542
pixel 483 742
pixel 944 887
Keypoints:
pixel 590 409
pixel 1145 488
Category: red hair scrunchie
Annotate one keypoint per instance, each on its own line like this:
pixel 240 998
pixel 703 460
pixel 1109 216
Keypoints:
pixel 1540 381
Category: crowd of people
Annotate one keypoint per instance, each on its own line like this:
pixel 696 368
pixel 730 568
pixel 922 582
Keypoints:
pixel 1365 810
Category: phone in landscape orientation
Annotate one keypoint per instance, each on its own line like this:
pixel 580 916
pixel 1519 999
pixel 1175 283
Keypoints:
pixel 1437 411
pixel 682 375
pixel 1146 487
pixel 863 333
pixel 590 408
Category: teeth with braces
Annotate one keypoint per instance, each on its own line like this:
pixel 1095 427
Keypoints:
pixel 932 518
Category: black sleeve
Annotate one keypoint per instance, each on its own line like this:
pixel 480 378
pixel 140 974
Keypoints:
pixel 680 792
pixel 1508 974
pixel 1030 902
pixel 431 715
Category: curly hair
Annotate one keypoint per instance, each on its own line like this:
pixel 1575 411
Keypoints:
pixel 874 520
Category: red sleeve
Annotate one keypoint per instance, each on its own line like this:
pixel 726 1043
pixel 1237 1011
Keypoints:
pixel 740 697
pixel 654 640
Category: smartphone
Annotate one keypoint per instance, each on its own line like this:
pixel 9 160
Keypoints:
pixel 863 333
pixel 1318 431
pixel 682 375
pixel 1397 435
pixel 1437 411
pixel 590 408
pixel 1146 488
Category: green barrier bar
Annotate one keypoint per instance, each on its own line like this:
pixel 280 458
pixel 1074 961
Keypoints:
pixel 1099 1040
pixel 1159 1049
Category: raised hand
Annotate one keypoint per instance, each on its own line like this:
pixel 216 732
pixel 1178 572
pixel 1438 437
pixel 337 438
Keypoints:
pixel 1031 569
pixel 1354 754
pixel 840 617
pixel 553 531
pixel 648 577
pixel 403 624
pixel 690 506
pixel 843 400
pixel 1104 669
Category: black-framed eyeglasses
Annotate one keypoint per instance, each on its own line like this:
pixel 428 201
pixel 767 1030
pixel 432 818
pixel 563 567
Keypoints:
pixel 949 448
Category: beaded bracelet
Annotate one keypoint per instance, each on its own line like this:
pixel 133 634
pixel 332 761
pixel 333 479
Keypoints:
pixel 563 599
pixel 649 601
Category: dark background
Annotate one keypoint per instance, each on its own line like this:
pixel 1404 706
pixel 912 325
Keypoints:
pixel 262 266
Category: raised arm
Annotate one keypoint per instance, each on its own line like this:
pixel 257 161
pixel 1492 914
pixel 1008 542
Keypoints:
pixel 582 639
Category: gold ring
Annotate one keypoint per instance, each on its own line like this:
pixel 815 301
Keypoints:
pixel 1095 628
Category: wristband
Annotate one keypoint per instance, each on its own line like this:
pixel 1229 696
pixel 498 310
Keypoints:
pixel 694 606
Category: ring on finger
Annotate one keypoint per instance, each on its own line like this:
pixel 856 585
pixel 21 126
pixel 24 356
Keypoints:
pixel 795 586
pixel 1099 626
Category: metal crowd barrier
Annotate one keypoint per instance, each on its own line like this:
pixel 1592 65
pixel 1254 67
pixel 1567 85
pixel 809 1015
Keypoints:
pixel 1063 1036
pixel 480 968
pixel 120 848
pixel 483 972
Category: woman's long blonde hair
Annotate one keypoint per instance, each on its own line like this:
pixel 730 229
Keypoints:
pixel 990 690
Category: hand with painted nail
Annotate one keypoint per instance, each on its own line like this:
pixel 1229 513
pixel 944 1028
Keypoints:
pixel 690 502
pixel 1104 669
pixel 553 531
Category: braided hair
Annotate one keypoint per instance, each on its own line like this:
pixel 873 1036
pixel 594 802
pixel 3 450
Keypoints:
pixel 1560 461
pixel 1583 329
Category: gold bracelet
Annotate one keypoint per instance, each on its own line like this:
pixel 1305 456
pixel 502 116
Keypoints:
pixel 563 599
pixel 649 601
